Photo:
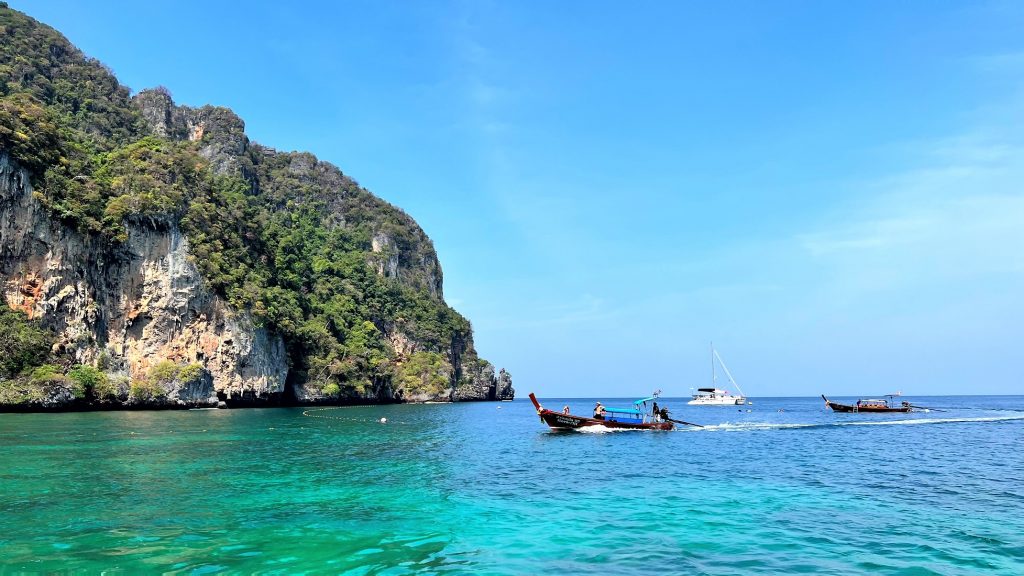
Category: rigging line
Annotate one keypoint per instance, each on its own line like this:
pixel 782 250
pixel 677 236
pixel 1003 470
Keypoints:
pixel 727 373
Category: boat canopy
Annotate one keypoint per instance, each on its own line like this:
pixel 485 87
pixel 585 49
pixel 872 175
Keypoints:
pixel 642 400
pixel 715 390
pixel 624 411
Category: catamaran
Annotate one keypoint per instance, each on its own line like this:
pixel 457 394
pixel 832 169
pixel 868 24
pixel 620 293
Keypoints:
pixel 714 396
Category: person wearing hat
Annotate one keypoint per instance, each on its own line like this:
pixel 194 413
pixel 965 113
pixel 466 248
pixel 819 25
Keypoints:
pixel 599 411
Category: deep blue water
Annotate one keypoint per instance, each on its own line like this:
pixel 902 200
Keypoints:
pixel 487 489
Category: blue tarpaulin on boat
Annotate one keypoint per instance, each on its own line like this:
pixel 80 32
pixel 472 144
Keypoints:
pixel 642 400
pixel 624 419
pixel 623 411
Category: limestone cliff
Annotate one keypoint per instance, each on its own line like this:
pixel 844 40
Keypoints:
pixel 399 248
pixel 135 304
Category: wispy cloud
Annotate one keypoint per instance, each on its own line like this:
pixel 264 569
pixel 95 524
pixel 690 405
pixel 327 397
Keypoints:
pixel 1001 63
pixel 959 217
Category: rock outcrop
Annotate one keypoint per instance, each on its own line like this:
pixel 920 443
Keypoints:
pixel 480 382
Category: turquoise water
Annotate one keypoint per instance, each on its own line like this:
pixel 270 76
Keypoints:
pixel 486 489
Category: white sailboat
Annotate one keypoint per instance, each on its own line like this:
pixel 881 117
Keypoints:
pixel 714 396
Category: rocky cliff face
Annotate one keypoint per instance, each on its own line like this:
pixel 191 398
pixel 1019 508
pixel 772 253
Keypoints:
pixel 399 247
pixel 221 131
pixel 134 305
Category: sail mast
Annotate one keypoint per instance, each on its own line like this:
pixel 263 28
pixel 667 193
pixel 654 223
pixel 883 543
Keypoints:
pixel 727 373
pixel 714 377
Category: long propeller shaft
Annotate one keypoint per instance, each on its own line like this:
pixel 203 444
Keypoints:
pixel 684 422
pixel 927 408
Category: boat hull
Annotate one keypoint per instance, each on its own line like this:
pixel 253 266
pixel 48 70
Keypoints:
pixel 561 421
pixel 837 407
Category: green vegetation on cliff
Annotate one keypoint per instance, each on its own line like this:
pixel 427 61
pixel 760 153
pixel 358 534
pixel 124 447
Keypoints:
pixel 23 343
pixel 31 373
pixel 336 271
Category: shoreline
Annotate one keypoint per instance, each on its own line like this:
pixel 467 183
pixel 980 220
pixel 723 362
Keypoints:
pixel 226 405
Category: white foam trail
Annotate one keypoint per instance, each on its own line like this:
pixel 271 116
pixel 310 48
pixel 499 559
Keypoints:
pixel 747 426
pixel 742 426
pixel 937 420
pixel 601 429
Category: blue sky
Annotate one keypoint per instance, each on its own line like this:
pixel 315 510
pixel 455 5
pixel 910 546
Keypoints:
pixel 831 191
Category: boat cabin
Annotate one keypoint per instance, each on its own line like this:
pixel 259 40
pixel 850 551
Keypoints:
pixel 637 414
pixel 711 392
pixel 626 415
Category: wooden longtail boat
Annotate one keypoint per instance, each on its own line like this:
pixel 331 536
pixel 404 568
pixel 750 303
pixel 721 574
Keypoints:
pixel 630 418
pixel 869 405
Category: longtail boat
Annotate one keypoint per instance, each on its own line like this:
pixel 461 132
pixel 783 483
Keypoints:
pixel 869 405
pixel 636 418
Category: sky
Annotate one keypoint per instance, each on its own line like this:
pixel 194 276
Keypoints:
pixel 831 192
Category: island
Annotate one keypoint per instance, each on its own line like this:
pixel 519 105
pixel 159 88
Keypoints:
pixel 152 256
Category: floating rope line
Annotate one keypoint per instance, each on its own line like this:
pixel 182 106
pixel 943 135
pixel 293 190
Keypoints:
pixel 343 418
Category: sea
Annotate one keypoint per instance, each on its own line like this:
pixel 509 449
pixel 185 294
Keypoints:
pixel 781 486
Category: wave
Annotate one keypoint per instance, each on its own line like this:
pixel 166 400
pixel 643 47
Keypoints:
pixel 753 426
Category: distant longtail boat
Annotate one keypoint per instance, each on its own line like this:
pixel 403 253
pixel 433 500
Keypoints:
pixel 869 405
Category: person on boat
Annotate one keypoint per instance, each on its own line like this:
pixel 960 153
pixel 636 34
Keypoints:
pixel 664 414
pixel 598 411
pixel 565 409
pixel 655 412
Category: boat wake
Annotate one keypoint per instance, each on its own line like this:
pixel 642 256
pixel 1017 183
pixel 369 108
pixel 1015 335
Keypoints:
pixel 599 429
pixel 753 426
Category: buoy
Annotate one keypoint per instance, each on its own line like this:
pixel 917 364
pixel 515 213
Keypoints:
pixel 383 420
